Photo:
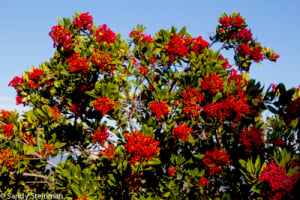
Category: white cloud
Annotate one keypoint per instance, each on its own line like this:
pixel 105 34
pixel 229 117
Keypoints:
pixel 9 107
pixel 9 103
pixel 2 98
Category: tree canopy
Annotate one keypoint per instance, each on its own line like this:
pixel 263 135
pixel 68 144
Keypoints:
pixel 151 117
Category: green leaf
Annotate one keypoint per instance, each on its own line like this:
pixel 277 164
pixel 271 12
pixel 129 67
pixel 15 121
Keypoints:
pixel 257 164
pixel 243 163
pixel 217 97
pixel 67 21
pixel 262 167
pixel 191 139
pixel 226 196
pixel 60 22
pixel 118 150
pixel 91 94
pixel 182 31
pixel 59 145
pixel 256 189
pixel 167 194
pixel 166 35
pixel 76 13
pixel 76 190
pixel 292 171
pixel 294 123
pixel 154 161
pixel 173 29
pixel 199 156
pixel 112 178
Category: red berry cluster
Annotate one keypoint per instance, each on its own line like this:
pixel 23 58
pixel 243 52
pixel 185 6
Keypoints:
pixel 140 147
pixel 273 86
pixel 203 182
pixel 60 36
pixel 55 112
pixel 233 32
pixel 82 198
pixel 77 109
pixel 180 46
pixel 272 56
pixel 134 181
pixel 197 45
pixel 28 139
pixel 108 152
pixel 8 159
pixel 176 47
pixel 84 21
pixel 277 184
pixel 104 105
pixel 242 35
pixel 35 77
pixel 4 115
pixel 144 70
pixel 159 109
pixel 102 60
pixel 46 150
pixel 215 159
pixel 19 100
pixel 100 135
pixel 181 132
pixel 236 79
pixel 237 22
pixel 78 64
pixel 36 74
pixel 225 64
pixel 141 37
pixel 254 53
pixel 244 50
pixel 172 171
pixel 233 28
pixel 104 34
pixel 212 84
pixel 231 107
pixel 236 105
pixel 8 129
pixel 135 62
pixel 252 138
pixel 191 101
pixel 16 81
pixel 152 61
pixel 293 109
pixel 278 142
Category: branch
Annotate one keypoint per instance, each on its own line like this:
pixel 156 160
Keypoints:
pixel 38 139
pixel 40 157
pixel 112 141
pixel 36 182
pixel 35 175
pixel 204 134
pixel 51 163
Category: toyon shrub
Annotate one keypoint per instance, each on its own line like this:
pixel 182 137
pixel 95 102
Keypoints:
pixel 161 116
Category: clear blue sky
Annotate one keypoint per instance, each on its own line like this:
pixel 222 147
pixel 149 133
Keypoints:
pixel 25 26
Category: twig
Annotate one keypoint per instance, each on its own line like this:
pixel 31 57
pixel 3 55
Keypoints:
pixel 36 182
pixel 40 157
pixel 38 139
pixel 35 175
pixel 204 134
pixel 51 163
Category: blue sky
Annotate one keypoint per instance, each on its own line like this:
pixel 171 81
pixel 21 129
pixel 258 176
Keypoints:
pixel 25 26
